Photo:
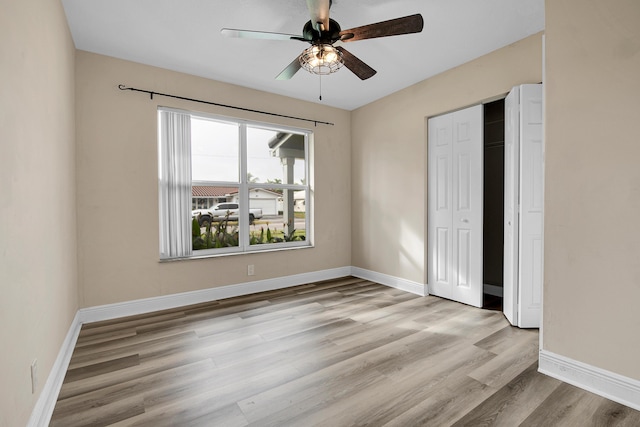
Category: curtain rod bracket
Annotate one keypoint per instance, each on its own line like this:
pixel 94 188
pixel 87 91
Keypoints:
pixel 151 93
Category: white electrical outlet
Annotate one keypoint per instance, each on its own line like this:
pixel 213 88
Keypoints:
pixel 250 270
pixel 34 375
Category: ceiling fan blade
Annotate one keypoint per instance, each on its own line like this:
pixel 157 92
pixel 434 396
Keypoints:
pixel 319 10
pixel 290 71
pixel 393 27
pixel 357 67
pixel 262 35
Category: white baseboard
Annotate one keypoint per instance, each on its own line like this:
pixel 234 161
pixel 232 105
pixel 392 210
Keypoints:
pixel 604 383
pixel 42 411
pixel 391 281
pixel 147 305
pixel 494 290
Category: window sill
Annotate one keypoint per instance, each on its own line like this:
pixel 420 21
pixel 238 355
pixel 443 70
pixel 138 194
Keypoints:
pixel 228 254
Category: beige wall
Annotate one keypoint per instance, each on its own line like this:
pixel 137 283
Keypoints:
pixel 592 175
pixel 389 155
pixel 38 271
pixel 592 204
pixel 118 189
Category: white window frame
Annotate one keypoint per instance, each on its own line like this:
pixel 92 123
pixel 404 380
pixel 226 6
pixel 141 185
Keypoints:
pixel 244 187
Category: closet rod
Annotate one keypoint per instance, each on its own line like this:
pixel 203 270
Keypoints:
pixel 151 93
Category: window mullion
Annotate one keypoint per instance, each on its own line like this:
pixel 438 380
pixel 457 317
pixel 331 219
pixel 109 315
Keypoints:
pixel 243 201
pixel 307 190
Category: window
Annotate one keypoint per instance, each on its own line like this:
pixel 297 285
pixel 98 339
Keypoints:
pixel 230 186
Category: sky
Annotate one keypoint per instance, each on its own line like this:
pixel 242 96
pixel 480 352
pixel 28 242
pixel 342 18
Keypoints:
pixel 215 153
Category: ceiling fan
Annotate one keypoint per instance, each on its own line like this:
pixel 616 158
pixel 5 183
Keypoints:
pixel 322 57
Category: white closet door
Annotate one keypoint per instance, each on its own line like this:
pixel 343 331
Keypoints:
pixel 455 205
pixel 511 193
pixel 524 166
pixel 440 194
pixel 531 206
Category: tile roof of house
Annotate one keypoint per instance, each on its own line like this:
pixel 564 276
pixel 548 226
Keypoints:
pixel 211 191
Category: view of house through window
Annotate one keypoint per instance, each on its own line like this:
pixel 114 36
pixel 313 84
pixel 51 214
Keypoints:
pixel 249 186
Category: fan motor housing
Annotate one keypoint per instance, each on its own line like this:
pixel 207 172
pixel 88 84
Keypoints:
pixel 328 37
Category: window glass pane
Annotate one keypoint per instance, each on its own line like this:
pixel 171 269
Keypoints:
pixel 275 157
pixel 283 219
pixel 214 151
pixel 215 226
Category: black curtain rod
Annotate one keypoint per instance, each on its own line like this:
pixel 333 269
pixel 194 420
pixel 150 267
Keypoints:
pixel 151 93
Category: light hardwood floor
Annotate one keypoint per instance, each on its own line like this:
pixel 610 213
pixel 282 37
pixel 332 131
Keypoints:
pixel 336 353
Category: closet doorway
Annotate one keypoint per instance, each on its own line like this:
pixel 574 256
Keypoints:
pixel 493 205
pixel 485 171
pixel 466 204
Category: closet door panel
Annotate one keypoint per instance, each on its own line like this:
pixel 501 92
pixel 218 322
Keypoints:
pixel 440 176
pixel 511 194
pixel 467 214
pixel 455 206
pixel 524 197
pixel 531 206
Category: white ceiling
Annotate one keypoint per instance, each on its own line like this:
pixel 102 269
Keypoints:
pixel 184 35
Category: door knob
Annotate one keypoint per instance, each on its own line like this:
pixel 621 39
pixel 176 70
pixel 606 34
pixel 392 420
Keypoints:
pixel 464 220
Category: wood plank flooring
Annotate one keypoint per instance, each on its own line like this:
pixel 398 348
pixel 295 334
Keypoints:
pixel 343 352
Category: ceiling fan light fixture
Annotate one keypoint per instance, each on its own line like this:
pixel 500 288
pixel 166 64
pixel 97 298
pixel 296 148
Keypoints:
pixel 321 59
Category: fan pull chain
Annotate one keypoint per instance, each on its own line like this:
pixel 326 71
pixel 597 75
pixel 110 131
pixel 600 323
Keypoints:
pixel 320 77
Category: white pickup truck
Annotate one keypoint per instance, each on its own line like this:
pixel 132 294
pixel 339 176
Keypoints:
pixel 219 212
